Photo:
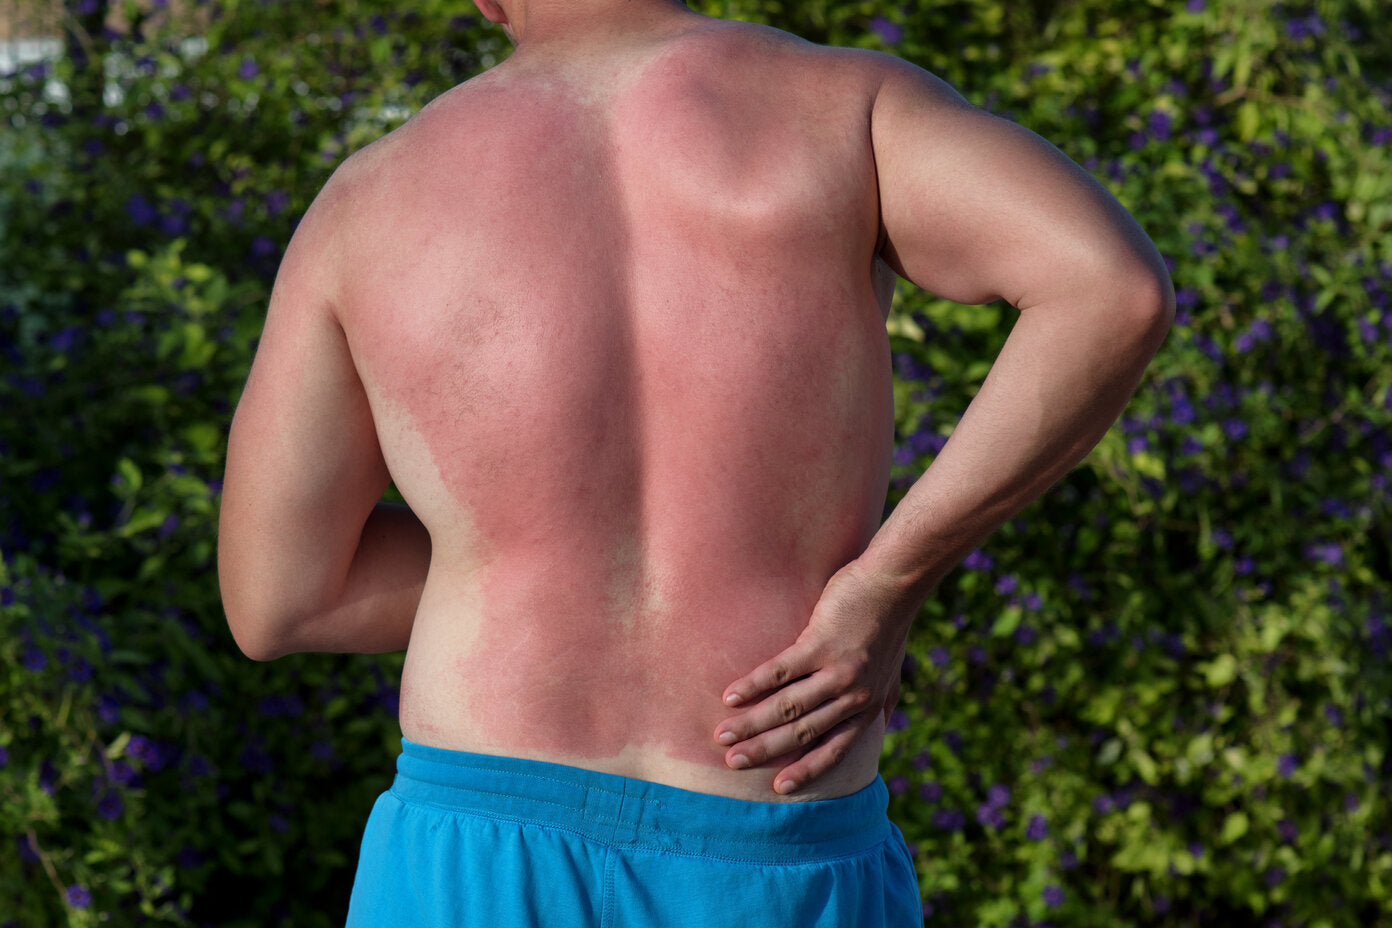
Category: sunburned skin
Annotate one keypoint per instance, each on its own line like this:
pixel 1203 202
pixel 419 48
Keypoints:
pixel 621 327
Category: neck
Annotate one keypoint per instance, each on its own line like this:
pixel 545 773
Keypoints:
pixel 533 22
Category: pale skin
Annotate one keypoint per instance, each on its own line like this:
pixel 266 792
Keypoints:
pixel 611 317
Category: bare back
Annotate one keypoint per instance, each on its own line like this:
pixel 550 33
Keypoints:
pixel 619 318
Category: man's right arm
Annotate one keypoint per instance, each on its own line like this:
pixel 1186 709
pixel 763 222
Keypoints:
pixel 973 209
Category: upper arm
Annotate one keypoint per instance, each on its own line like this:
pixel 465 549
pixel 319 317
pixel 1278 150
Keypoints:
pixel 304 468
pixel 976 208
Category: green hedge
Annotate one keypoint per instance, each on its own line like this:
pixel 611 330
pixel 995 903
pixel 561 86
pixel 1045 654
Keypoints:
pixel 1158 697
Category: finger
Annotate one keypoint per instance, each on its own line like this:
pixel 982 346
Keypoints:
pixel 824 757
pixel 793 662
pixel 784 705
pixel 797 734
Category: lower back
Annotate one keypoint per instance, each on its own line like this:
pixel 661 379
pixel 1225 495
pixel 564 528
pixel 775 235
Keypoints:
pixel 644 417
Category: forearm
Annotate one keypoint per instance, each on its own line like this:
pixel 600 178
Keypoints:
pixel 1059 383
pixel 376 606
pixel 368 609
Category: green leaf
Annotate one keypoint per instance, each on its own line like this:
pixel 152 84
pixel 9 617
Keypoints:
pixel 1234 827
pixel 1221 671
pixel 131 478
pixel 1007 622
pixel 118 746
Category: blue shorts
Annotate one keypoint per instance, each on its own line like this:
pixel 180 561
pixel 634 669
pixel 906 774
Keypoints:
pixel 472 841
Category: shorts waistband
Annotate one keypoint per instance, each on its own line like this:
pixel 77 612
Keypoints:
pixel 621 810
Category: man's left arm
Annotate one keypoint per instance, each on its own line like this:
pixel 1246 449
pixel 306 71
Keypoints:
pixel 309 559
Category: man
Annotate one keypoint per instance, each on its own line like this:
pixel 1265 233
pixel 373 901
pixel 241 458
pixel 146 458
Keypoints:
pixel 611 316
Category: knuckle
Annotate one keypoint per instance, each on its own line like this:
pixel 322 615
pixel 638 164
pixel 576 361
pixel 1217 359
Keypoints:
pixel 788 709
pixel 843 676
pixel 779 674
pixel 837 752
pixel 804 733
pixel 858 697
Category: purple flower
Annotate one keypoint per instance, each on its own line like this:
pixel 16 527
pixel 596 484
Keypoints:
pixel 1326 211
pixel 1038 828
pixel 998 795
pixel 939 656
pixel 1329 553
pixel 1160 125
pixel 978 560
pixel 1235 429
pixel 1196 6
pixel 1053 896
pixel 189 858
pixel 1287 765
pixel 1007 585
pixel 949 819
pixel 1289 831
pixel 174 226
pixel 4 755
pixel 989 816
pixel 276 202
pixel 931 791
pixel 140 211
pixel 79 897
pixel 110 807
pixel 898 721
pixel 248 69
pixel 890 32
pixel 34 659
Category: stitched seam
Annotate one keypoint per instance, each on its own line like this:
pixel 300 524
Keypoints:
pixel 607 907
pixel 487 792
pixel 643 846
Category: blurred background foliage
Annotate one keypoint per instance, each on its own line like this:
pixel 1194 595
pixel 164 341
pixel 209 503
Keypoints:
pixel 1158 697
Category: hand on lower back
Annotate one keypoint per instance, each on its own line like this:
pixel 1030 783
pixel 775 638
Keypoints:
pixel 816 698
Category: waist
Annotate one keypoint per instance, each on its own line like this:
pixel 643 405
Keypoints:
pixel 616 809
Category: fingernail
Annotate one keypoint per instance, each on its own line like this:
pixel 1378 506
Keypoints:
pixel 786 787
pixel 739 762
pixel 732 700
pixel 727 738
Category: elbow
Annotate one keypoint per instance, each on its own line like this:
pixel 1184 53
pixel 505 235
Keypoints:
pixel 259 608
pixel 1156 306
pixel 1147 306
pixel 255 637
pixel 258 628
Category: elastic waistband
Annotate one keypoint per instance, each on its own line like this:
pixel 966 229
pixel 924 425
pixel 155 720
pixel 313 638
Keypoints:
pixel 619 810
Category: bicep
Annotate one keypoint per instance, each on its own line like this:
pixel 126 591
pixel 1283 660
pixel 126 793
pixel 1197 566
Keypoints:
pixel 304 468
pixel 976 208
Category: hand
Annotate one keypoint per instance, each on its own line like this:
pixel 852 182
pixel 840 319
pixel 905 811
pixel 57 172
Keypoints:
pixel 818 696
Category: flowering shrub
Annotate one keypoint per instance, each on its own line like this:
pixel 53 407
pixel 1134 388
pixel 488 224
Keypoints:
pixel 1185 644
pixel 148 771
pixel 1159 696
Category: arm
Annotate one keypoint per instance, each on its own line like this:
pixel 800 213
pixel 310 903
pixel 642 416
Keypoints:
pixel 973 208
pixel 308 559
